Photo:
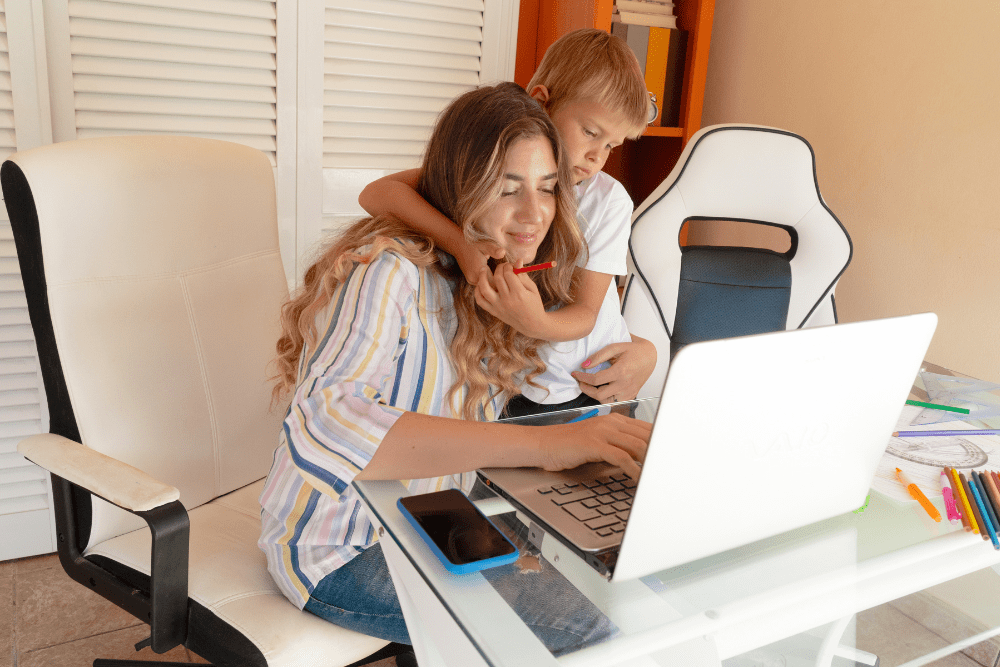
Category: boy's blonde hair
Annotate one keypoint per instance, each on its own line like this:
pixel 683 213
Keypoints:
pixel 592 64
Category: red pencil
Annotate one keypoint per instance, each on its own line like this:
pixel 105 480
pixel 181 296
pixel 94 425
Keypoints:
pixel 536 267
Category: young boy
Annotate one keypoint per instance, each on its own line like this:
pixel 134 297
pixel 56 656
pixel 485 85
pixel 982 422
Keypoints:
pixel 590 84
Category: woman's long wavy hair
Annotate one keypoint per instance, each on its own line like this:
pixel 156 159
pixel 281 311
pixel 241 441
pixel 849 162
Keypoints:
pixel 462 176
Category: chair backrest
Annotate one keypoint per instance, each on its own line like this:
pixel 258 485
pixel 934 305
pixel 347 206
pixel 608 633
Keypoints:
pixel 154 283
pixel 754 174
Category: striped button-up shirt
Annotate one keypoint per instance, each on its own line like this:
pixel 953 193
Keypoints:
pixel 382 350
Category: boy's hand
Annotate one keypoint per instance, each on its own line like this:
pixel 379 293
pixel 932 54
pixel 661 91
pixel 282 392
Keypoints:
pixel 472 260
pixel 513 299
pixel 631 365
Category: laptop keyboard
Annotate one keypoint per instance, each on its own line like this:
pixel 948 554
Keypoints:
pixel 601 504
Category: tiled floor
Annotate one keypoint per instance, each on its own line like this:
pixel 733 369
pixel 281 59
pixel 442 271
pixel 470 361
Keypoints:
pixel 48 620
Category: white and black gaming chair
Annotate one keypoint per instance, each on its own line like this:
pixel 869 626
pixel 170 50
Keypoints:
pixel 154 284
pixel 677 295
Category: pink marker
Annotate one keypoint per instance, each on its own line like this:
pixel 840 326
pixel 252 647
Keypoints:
pixel 949 498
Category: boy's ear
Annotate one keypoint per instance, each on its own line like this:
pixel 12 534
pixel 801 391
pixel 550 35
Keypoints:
pixel 540 93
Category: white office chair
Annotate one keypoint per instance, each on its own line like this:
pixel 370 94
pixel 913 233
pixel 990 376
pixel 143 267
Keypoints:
pixel 674 295
pixel 154 284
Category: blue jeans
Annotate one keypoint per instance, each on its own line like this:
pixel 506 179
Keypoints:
pixel 360 596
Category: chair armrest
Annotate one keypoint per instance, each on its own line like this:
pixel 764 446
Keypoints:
pixel 114 481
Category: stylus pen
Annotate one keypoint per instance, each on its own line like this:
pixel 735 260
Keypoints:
pixel 983 511
pixel 991 506
pixel 971 431
pixel 535 267
pixel 586 415
pixel 980 525
pixel 918 495
pixel 966 508
pixel 935 406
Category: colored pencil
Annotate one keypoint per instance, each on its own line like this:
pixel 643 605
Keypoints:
pixel 971 431
pixel 918 495
pixel 996 478
pixel 988 503
pixel 535 267
pixel 979 524
pixel 586 415
pixel 949 497
pixel 935 406
pixel 992 491
pixel 966 508
pixel 983 510
pixel 952 481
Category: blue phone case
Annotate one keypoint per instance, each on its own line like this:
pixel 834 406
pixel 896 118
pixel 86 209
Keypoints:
pixel 464 568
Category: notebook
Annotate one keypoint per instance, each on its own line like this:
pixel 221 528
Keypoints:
pixel 752 437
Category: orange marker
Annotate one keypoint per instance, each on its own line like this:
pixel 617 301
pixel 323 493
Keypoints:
pixel 534 267
pixel 966 508
pixel 918 495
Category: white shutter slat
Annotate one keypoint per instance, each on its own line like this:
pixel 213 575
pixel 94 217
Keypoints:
pixel 148 34
pixel 395 40
pixel 410 10
pixel 19 397
pixel 404 72
pixel 406 26
pixel 393 117
pixel 365 102
pixel 333 160
pixel 18 430
pixel 171 123
pixel 477 5
pixel 443 92
pixel 14 316
pixel 181 89
pixel 135 13
pixel 15 468
pixel 5 81
pixel 262 143
pixel 173 105
pixel 172 71
pixel 13 300
pixel 21 489
pixel 172 53
pixel 339 132
pixel 19 382
pixel 15 333
pixel 390 147
pixel 259 8
pixel 403 57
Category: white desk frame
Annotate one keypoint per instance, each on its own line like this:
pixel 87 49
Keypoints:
pixel 462 621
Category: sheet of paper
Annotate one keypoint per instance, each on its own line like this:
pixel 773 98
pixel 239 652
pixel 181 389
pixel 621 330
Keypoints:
pixel 921 459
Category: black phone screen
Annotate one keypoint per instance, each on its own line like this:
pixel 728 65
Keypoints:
pixel 458 529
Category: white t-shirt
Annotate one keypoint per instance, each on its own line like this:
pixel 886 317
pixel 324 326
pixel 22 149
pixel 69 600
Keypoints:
pixel 604 211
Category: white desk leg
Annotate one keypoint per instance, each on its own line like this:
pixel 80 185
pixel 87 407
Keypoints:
pixel 437 639
pixel 832 640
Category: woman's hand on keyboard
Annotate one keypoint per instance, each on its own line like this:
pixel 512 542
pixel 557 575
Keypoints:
pixel 614 438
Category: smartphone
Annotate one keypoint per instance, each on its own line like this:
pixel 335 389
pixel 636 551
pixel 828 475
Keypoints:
pixel 457 532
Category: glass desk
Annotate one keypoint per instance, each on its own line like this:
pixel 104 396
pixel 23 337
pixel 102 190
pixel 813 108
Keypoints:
pixel 698 613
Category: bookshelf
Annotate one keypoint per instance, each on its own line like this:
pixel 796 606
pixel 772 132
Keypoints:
pixel 640 165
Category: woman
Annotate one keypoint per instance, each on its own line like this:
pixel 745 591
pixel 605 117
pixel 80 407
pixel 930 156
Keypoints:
pixel 398 375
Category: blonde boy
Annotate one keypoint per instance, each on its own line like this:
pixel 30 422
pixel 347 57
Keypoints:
pixel 590 84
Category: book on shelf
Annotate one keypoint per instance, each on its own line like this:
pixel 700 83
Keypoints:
pixel 661 53
pixel 645 6
pixel 639 18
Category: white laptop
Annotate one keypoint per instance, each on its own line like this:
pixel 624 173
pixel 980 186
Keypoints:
pixel 752 436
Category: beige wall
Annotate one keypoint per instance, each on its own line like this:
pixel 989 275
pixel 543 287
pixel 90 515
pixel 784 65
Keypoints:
pixel 901 103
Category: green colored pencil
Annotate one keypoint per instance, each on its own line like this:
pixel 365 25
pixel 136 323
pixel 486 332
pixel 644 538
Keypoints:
pixel 935 406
